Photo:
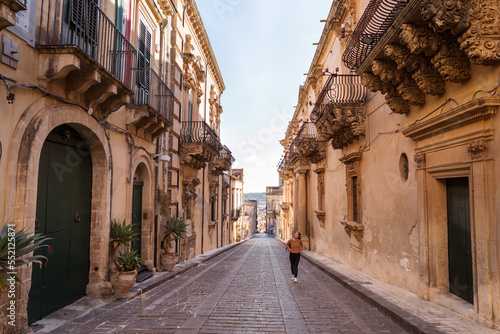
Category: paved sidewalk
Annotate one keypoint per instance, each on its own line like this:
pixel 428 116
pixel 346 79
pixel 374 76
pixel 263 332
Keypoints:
pixel 403 307
pixel 86 306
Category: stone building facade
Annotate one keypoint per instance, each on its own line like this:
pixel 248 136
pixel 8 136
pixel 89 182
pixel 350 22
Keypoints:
pixel 110 106
pixel 273 202
pixel 390 157
pixel 237 204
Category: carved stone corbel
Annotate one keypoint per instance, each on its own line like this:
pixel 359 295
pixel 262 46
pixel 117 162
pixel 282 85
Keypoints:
pixel 449 15
pixel 420 160
pixel 451 62
pixel 321 217
pixel 189 191
pixel 481 41
pixel 477 149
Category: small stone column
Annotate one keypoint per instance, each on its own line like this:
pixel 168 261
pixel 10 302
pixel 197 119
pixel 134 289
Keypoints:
pixel 295 198
pixel 301 209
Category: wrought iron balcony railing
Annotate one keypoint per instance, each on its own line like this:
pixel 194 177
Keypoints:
pixel 282 163
pixel 225 154
pixel 86 27
pixel 376 19
pixel 235 214
pixel 152 91
pixel 339 88
pixel 199 132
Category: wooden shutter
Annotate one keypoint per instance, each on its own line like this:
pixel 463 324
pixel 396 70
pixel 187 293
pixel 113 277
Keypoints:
pixel 143 56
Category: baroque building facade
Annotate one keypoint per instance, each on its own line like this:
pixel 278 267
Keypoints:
pixel 390 157
pixel 112 109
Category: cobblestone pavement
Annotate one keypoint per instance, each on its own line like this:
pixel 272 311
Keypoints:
pixel 246 289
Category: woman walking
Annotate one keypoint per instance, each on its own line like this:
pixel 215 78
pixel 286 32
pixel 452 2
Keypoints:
pixel 295 246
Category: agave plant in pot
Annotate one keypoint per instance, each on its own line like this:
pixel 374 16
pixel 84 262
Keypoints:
pixel 125 264
pixel 175 229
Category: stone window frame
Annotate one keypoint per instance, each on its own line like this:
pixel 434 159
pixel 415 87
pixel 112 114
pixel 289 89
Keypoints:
pixel 321 213
pixel 354 228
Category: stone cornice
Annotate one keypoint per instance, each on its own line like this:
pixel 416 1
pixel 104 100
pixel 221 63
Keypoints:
pixel 466 113
pixel 202 36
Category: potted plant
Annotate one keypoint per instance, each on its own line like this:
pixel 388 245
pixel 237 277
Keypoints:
pixel 127 265
pixel 13 248
pixel 175 229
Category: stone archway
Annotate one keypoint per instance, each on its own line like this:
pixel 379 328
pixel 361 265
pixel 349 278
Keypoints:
pixel 143 169
pixel 22 183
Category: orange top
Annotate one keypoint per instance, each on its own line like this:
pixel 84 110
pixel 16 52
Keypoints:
pixel 294 245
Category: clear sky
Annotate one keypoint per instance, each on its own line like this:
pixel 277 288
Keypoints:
pixel 263 48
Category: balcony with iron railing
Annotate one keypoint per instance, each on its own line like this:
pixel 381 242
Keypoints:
pixel 8 10
pixel 86 48
pixel 151 109
pixel 222 162
pixel 408 49
pixel 199 144
pixel 339 113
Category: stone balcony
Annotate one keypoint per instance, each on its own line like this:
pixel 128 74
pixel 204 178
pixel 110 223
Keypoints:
pixel 84 57
pixel 150 112
pixel 428 44
pixel 8 10
pixel 199 144
pixel 222 162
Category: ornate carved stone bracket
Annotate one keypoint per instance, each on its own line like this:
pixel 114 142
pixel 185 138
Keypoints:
pixel 353 228
pixel 321 217
pixel 196 155
pixel 189 191
pixel 342 123
pixel 451 62
pixel 212 188
pixel 481 41
pixel 477 149
pixel 449 15
pixel 420 160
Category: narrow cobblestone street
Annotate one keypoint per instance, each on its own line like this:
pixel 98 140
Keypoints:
pixel 246 289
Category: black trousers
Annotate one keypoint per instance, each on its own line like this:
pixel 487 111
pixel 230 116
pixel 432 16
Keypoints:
pixel 294 261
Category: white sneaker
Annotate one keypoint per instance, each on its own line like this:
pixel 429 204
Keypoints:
pixel 295 279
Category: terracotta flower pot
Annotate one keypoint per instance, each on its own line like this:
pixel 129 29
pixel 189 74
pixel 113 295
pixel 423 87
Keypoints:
pixel 123 281
pixel 168 261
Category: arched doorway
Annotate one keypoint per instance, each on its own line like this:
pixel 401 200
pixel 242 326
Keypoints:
pixel 63 213
pixel 137 210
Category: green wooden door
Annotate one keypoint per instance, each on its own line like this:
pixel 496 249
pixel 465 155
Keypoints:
pixel 63 214
pixel 459 238
pixel 137 214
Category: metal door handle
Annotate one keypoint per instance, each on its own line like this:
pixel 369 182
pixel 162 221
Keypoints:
pixel 77 217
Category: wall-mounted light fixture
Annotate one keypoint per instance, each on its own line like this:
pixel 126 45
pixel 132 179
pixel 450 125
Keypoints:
pixel 161 157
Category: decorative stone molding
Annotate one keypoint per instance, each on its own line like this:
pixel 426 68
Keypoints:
pixel 285 206
pixel 353 228
pixel 420 160
pixel 481 41
pixel 397 104
pixel 212 188
pixel 195 18
pixel 470 112
pixel 449 15
pixel 477 149
pixel 196 155
pixel 451 62
pixel 189 191
pixel 403 57
pixel 419 39
pixel 321 217
pixel 342 123
pixel 423 72
pixel 215 108
pixel 312 150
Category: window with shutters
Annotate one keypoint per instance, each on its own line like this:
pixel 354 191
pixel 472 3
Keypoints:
pixel 84 16
pixel 143 63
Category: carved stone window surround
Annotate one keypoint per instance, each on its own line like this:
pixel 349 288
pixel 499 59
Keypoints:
pixel 353 228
